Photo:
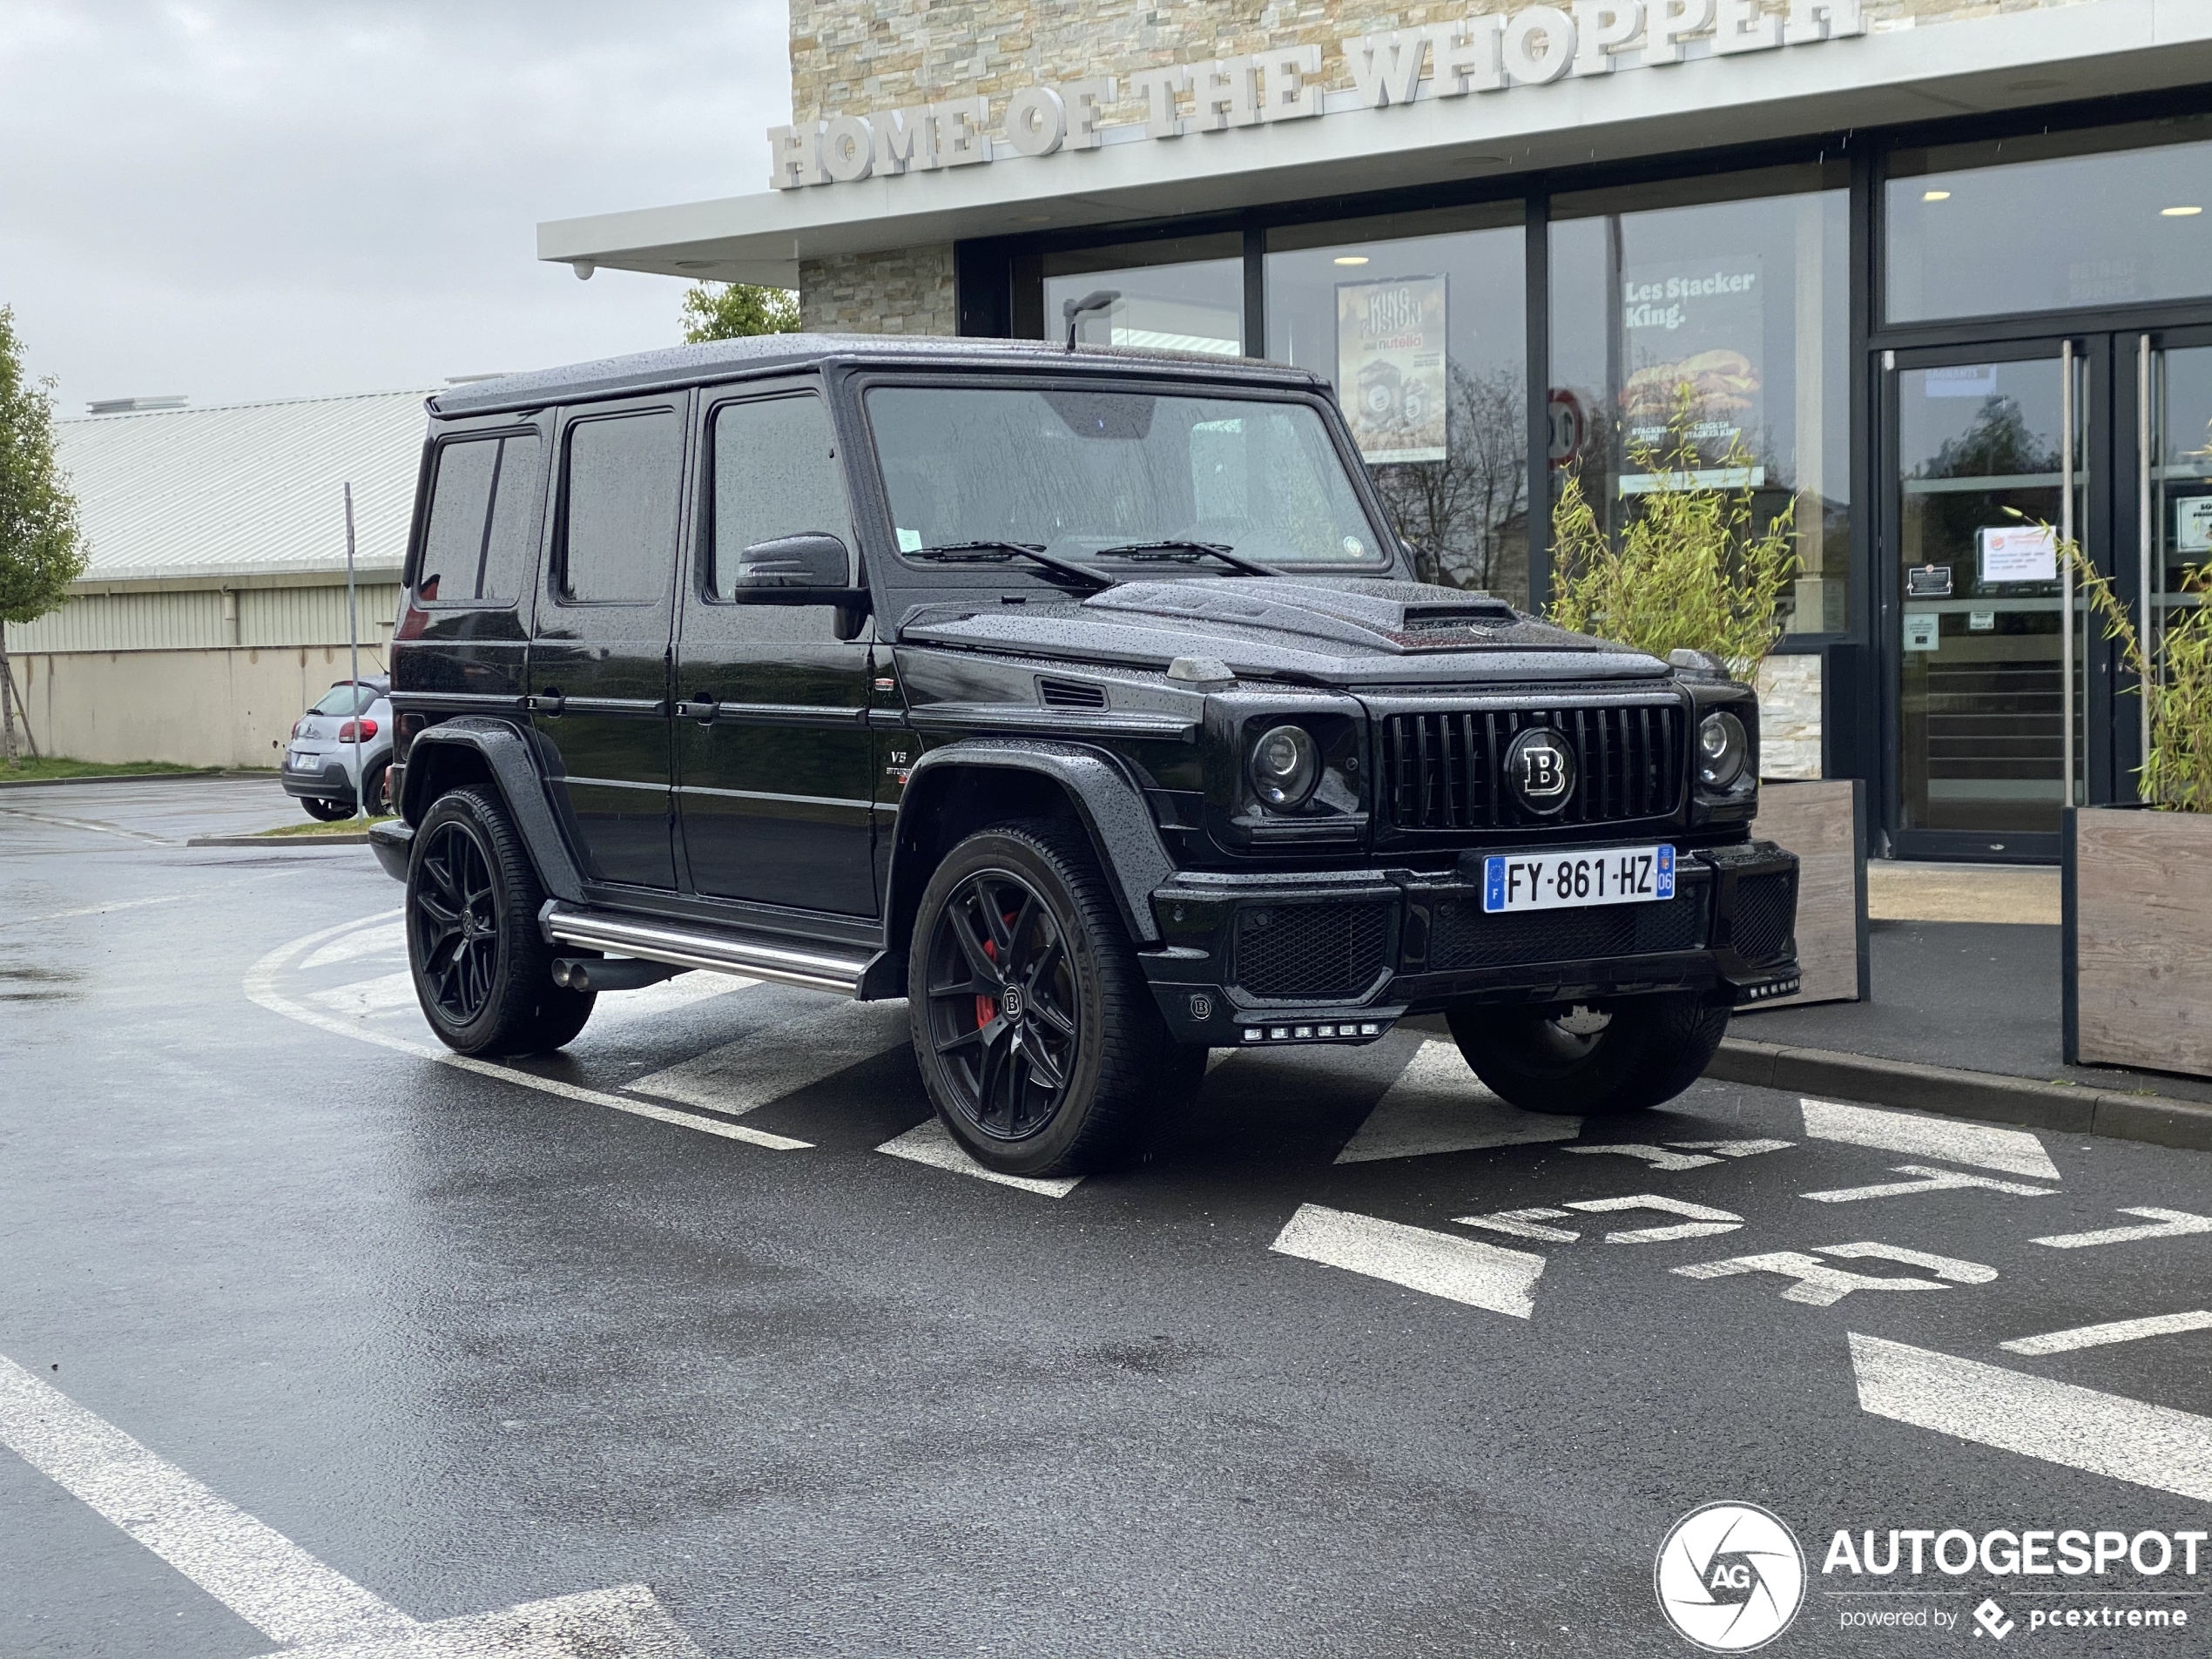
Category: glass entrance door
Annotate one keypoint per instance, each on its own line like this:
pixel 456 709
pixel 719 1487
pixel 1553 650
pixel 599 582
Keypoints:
pixel 2007 701
pixel 1981 449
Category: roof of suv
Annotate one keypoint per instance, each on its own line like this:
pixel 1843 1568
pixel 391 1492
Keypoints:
pixel 679 366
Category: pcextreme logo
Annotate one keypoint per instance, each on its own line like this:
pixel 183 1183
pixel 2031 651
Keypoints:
pixel 1730 1577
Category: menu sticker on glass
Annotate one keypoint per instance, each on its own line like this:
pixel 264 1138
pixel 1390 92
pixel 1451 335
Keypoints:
pixel 1701 325
pixel 2018 553
pixel 1390 366
pixel 2193 524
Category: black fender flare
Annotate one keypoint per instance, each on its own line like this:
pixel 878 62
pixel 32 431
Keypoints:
pixel 512 761
pixel 1107 801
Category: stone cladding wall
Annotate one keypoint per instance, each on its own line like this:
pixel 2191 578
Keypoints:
pixel 907 291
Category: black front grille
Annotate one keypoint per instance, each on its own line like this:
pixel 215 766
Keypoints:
pixel 1463 936
pixel 1309 950
pixel 1766 911
pixel 1446 771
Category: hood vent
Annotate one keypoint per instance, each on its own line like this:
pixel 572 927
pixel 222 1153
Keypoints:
pixel 1070 694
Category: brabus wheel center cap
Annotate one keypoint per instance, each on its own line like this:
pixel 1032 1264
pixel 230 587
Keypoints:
pixel 1010 1003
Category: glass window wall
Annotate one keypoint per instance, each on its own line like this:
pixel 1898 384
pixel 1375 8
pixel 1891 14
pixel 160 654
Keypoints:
pixel 1184 294
pixel 1420 321
pixel 1717 306
pixel 2050 221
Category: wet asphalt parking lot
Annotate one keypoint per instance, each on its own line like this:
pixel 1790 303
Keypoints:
pixel 1357 1362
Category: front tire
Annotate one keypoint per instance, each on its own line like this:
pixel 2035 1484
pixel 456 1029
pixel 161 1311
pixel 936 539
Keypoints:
pixel 1037 1037
pixel 1626 1056
pixel 483 972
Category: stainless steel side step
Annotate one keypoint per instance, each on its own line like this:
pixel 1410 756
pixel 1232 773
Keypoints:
pixel 816 966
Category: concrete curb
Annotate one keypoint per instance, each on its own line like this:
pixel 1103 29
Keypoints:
pixel 278 841
pixel 201 776
pixel 2157 1119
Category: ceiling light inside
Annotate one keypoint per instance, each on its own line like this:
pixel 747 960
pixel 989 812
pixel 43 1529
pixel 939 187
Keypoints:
pixel 2179 212
pixel 1935 195
pixel 1351 258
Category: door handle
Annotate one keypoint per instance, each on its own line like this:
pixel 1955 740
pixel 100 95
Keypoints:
pixel 549 701
pixel 703 708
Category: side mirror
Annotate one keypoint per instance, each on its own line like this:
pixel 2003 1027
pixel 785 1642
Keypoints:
pixel 815 559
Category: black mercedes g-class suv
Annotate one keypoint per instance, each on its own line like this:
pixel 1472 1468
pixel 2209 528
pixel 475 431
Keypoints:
pixel 1087 700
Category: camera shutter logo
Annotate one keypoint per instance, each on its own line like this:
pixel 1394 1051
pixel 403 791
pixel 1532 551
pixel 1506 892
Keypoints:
pixel 1730 1577
pixel 1541 767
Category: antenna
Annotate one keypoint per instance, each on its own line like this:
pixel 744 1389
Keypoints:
pixel 1097 299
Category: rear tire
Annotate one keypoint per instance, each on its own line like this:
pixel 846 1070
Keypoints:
pixel 1034 1028
pixel 483 972
pixel 327 811
pixel 1630 1055
pixel 378 791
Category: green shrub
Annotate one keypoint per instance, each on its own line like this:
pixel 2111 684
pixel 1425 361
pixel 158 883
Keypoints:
pixel 1692 567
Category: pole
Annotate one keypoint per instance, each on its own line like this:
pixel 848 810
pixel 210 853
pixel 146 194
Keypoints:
pixel 2065 588
pixel 7 702
pixel 353 649
pixel 2146 438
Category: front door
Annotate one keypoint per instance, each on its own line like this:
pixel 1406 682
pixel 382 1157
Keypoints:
pixel 599 654
pixel 775 768
pixel 2006 704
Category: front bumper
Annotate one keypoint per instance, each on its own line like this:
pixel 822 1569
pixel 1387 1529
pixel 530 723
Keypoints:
pixel 393 843
pixel 1342 957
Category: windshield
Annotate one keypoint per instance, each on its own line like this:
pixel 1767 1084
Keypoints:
pixel 1082 473
pixel 347 699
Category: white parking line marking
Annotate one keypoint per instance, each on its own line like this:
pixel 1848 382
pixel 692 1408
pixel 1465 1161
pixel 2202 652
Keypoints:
pixel 2098 1336
pixel 2107 1434
pixel 1926 1179
pixel 1460 1270
pixel 1438 1106
pixel 1820 1285
pixel 1704 1221
pixel 1658 1157
pixel 89 910
pixel 1524 1224
pixel 781 1059
pixel 390 940
pixel 2165 1224
pixel 58 821
pixel 261 988
pixel 259 1573
pixel 1734 1149
pixel 2016 1152
pixel 930 1142
pixel 274 1584
pixel 366 997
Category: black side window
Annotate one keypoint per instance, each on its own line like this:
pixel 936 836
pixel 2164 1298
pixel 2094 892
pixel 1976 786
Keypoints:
pixel 619 535
pixel 776 473
pixel 483 536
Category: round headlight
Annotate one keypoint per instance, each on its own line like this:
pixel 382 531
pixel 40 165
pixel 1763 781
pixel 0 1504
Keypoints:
pixel 1285 765
pixel 1721 750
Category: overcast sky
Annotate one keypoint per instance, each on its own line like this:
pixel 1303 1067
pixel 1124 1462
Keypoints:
pixel 246 198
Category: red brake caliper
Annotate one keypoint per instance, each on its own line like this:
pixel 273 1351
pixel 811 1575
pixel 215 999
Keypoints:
pixel 986 1007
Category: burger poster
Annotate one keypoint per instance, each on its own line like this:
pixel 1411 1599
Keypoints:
pixel 1701 323
pixel 1390 366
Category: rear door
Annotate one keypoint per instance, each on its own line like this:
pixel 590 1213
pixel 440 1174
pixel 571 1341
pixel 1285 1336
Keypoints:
pixel 774 765
pixel 599 656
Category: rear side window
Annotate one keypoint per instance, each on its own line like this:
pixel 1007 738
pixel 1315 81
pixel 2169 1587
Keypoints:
pixel 347 699
pixel 775 474
pixel 618 536
pixel 482 538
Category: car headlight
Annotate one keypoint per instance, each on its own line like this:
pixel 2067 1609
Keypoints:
pixel 1722 748
pixel 1285 766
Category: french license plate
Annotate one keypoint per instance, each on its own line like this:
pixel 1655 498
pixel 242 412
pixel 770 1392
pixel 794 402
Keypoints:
pixel 300 760
pixel 1566 880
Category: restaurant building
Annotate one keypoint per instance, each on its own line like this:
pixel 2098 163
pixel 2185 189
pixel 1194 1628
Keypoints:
pixel 1933 272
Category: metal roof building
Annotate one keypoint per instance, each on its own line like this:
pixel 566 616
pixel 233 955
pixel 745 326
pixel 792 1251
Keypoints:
pixel 214 604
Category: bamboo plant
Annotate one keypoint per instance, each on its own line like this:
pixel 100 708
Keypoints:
pixel 1690 569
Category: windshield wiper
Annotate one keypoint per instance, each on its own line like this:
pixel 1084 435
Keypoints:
pixel 1180 551
pixel 994 552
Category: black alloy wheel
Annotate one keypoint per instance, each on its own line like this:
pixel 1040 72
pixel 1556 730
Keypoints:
pixel 1035 1032
pixel 455 919
pixel 1004 1016
pixel 483 973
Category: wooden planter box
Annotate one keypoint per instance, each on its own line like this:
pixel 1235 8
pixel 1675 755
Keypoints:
pixel 2136 898
pixel 1823 824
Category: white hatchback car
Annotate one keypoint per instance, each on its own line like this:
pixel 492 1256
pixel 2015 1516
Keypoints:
pixel 319 758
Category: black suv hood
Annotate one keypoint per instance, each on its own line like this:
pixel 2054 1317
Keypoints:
pixel 1333 631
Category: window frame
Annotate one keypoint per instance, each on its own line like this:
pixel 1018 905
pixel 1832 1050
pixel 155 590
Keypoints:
pixel 556 560
pixel 443 436
pixel 701 583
